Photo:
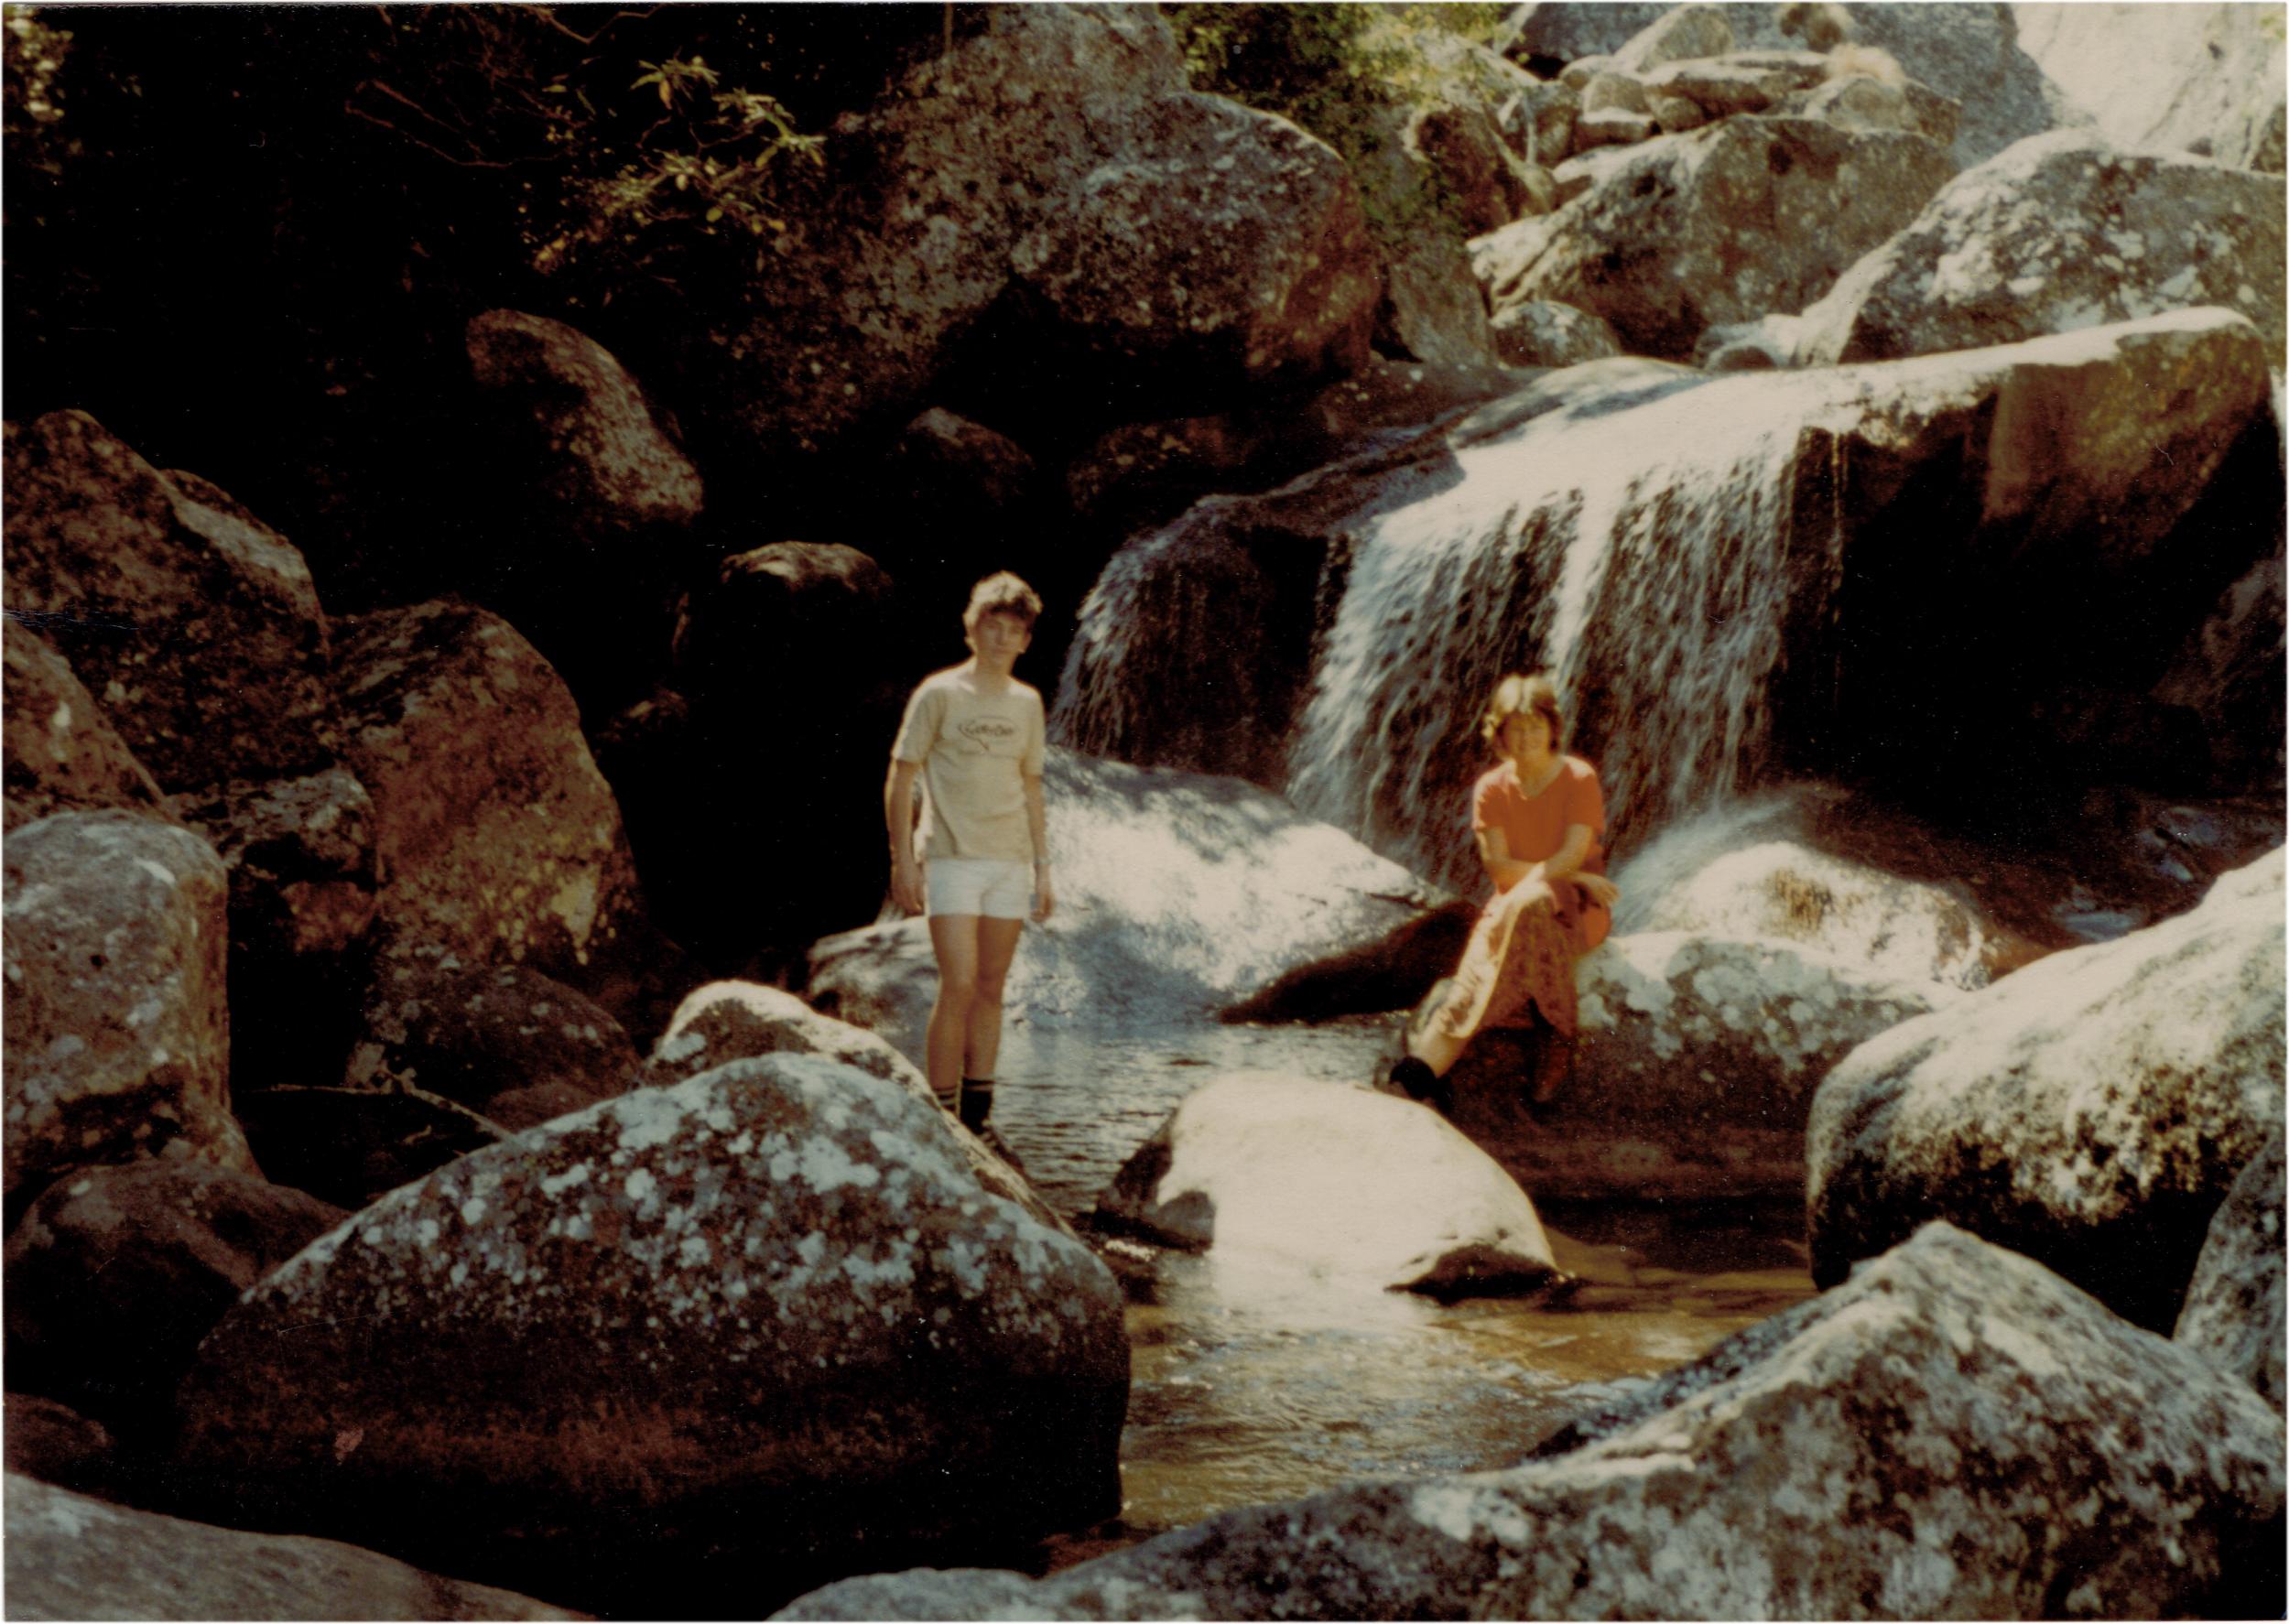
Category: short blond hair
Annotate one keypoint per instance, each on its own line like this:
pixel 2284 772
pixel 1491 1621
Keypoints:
pixel 1002 593
pixel 1524 694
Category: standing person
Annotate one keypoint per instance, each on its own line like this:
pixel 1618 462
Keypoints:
pixel 974 736
pixel 1539 819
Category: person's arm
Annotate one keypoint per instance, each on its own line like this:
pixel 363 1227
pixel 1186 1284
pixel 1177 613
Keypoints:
pixel 1565 863
pixel 906 874
pixel 1037 823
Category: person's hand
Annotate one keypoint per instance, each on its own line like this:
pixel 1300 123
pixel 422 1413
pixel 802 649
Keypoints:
pixel 905 884
pixel 1600 890
pixel 1045 900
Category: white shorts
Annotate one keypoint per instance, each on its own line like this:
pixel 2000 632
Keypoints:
pixel 995 887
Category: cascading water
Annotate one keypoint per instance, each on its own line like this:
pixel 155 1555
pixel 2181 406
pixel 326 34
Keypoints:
pixel 1644 559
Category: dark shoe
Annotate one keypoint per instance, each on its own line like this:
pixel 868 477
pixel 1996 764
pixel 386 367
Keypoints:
pixel 1413 1078
pixel 977 1102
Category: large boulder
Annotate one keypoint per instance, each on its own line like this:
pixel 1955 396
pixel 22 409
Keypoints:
pixel 742 1332
pixel 62 754
pixel 1727 223
pixel 497 837
pixel 2205 78
pixel 1341 1184
pixel 2090 1110
pixel 2233 1313
pixel 1051 172
pixel 506 1041
pixel 2060 231
pixel 168 603
pixel 1956 1432
pixel 72 1557
pixel 116 1272
pixel 1178 894
pixel 1545 332
pixel 118 1037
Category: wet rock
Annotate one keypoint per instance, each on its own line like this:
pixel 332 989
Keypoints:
pixel 300 853
pixel 63 753
pixel 1176 893
pixel 1051 171
pixel 163 604
pixel 115 1274
pixel 2033 1454
pixel 2233 1314
pixel 1343 1184
pixel 497 840
pixel 2090 1110
pixel 511 1044
pixel 727 1020
pixel 766 1315
pixel 1543 332
pixel 1750 216
pixel 596 502
pixel 56 1444
pixel 72 1557
pixel 1748 346
pixel 2202 79
pixel 117 1036
pixel 2060 232
pixel 350 1146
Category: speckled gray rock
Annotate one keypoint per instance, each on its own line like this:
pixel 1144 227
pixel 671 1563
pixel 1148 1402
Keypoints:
pixel 1055 160
pixel 2059 233
pixel 1337 1182
pixel 497 837
pixel 1748 216
pixel 2234 1313
pixel 163 604
pixel 2090 1110
pixel 118 1037
pixel 2200 78
pixel 1685 31
pixel 1956 1432
pixel 726 1020
pixel 506 1041
pixel 1543 332
pixel 72 1557
pixel 767 1312
pixel 115 1274
pixel 63 753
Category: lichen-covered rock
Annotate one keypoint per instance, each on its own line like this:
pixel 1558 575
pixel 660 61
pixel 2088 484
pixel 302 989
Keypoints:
pixel 766 1315
pixel 514 1045
pixel 72 1557
pixel 1053 170
pixel 1543 332
pixel 497 840
pixel 2059 233
pixel 1748 216
pixel 1342 1183
pixel 2205 78
pixel 299 852
pixel 115 1274
pixel 2090 1110
pixel 1737 82
pixel 164 605
pixel 1687 31
pixel 118 1037
pixel 1956 1432
pixel 2233 1314
pixel 63 753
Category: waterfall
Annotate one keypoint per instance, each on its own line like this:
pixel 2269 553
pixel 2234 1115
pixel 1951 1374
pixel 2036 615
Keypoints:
pixel 1644 558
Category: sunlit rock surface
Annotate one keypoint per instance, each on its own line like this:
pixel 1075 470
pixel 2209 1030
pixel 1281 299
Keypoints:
pixel 1343 1184
pixel 2202 78
pixel 2060 232
pixel 2233 1313
pixel 1176 892
pixel 72 1557
pixel 118 1031
pixel 2090 1110
pixel 767 1312
pixel 1954 1433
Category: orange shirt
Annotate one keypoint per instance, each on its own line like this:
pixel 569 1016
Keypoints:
pixel 1533 827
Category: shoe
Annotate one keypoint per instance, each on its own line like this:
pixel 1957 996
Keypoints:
pixel 1413 1078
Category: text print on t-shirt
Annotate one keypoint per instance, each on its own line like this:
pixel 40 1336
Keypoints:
pixel 991 734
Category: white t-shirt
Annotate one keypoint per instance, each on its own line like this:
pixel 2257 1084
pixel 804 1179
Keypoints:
pixel 975 751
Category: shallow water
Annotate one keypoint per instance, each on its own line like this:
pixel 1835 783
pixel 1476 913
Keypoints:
pixel 1253 1384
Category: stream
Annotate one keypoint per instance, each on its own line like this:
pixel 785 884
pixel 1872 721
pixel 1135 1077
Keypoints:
pixel 1252 1384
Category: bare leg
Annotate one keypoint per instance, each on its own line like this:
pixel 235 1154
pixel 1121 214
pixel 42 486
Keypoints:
pixel 1435 1049
pixel 997 945
pixel 954 938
